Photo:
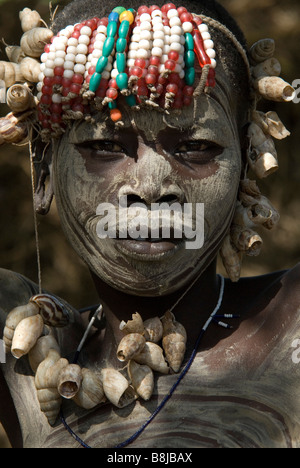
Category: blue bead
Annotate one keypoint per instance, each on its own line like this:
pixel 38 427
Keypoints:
pixel 101 64
pixel 131 100
pixel 95 82
pixel 114 16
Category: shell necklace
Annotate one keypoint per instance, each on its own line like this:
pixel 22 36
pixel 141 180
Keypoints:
pixel 214 317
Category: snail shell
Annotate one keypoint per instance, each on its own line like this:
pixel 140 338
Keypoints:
pixel 133 326
pixel 248 191
pixel 270 67
pixel 271 124
pixel 13 319
pixel 14 128
pixel 40 351
pixel 26 335
pixel 91 391
pixel 29 19
pixel 246 240
pixel 264 214
pixel 10 73
pixel 52 310
pixel 46 380
pixel 33 41
pixel 30 69
pixel 19 98
pixel 14 53
pixel 262 50
pixel 117 389
pixel 275 89
pixel 174 341
pixel 69 381
pixel 153 329
pixel 130 346
pixel 152 356
pixel 262 157
pixel 142 379
pixel 232 259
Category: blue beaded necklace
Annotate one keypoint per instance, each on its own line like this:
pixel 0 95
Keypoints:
pixel 214 317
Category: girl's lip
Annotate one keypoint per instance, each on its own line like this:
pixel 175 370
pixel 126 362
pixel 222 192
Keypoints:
pixel 148 249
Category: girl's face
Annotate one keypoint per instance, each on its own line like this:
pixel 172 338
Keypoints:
pixel 189 159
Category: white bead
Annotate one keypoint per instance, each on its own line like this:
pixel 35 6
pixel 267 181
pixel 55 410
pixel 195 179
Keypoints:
pixel 144 44
pixel 82 49
pixel 180 60
pixel 81 58
pixel 182 50
pixel 110 59
pixel 161 68
pixel 56 98
pixel 72 50
pixel 49 64
pixel 94 61
pixel 100 37
pixel 84 39
pixel 44 57
pixel 134 46
pixel 142 53
pixel 135 37
pixel 164 58
pixel 166 49
pixel 167 39
pixel 158 43
pixel 70 29
pixel 175 38
pixel 146 25
pixel 70 58
pixel 158 27
pixel 203 28
pixel 130 62
pixel 132 54
pixel 106 75
pixel 213 63
pixel 97 53
pixel 205 35
pixel 39 87
pixel 60 54
pixel 59 62
pixel 68 74
pixel 73 42
pixel 114 73
pixel 79 68
pixel 167 30
pixel 98 45
pixel 49 72
pixel 158 35
pixel 157 51
pixel 182 74
pixel 175 21
pixel 209 44
pixel 145 34
pixel 39 96
pixel 41 76
pixel 145 17
pixel 86 74
pixel 51 56
pixel 60 40
pixel 68 65
pixel 109 66
pixel 178 68
pixel 102 29
pixel 85 30
pixel 182 40
pixel 176 46
pixel 59 46
pixel 156 20
pixel 172 13
pixel 42 67
pixel 176 30
pixel 211 53
pixel 187 27
pixel 52 48
pixel 136 30
pixel 156 13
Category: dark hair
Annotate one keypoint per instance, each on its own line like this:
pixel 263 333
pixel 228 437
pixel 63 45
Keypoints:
pixel 80 10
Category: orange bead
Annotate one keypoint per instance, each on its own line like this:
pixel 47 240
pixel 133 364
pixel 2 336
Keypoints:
pixel 115 115
pixel 126 15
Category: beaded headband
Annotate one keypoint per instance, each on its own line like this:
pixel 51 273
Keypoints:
pixel 147 58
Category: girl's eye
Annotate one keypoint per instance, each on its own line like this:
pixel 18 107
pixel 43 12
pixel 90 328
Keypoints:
pixel 104 149
pixel 198 152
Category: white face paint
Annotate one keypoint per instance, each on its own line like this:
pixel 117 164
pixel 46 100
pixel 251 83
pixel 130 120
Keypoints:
pixel 191 158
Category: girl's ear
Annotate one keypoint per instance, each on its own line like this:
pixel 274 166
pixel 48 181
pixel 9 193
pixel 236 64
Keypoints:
pixel 42 158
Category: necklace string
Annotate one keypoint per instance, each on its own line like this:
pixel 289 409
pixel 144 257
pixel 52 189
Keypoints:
pixel 185 370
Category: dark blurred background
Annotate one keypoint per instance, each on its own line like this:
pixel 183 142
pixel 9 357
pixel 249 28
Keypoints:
pixel 62 272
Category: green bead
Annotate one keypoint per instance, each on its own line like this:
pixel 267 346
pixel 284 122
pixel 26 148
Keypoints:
pixel 124 28
pixel 133 11
pixel 108 46
pixel 121 45
pixel 95 82
pixel 122 81
pixel 131 100
pixel 119 10
pixel 189 41
pixel 190 76
pixel 112 28
pixel 189 58
pixel 112 105
pixel 121 62
pixel 101 64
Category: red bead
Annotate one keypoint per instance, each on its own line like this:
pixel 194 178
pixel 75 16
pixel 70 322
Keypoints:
pixel 186 17
pixel 167 7
pixel 162 80
pixel 47 48
pixel 76 34
pixel 199 49
pixel 154 60
pixel 112 93
pixel 188 91
pixel 153 8
pixel 48 81
pixel 197 20
pixel 78 107
pixel 140 63
pixel 77 78
pixel 160 89
pixel 92 24
pixel 78 27
pixel 187 101
pixel 172 88
pixel 112 83
pixel 56 108
pixel 170 65
pixel 165 22
pixel 59 71
pixel 175 78
pixel 152 70
pixel 150 79
pixel 91 48
pixel 101 92
pixel 47 90
pixel 143 9
pixel 137 71
pixel 46 99
pixel 65 92
pixel 42 116
pixel 57 80
pixel 55 118
pixel 75 88
pixel 46 124
pixel 92 70
pixel 178 103
pixel 66 82
pixel 173 55
pixel 181 10
pixel 88 78
pixel 103 22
